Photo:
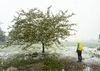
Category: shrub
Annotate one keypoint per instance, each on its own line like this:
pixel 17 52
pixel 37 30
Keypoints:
pixel 98 49
pixel 51 64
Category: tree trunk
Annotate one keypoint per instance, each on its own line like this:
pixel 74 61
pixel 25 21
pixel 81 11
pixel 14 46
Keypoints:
pixel 42 47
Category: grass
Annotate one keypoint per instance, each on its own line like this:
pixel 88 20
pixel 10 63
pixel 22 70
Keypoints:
pixel 40 62
pixel 98 49
pixel 96 55
pixel 18 60
pixel 51 64
pixel 1 69
pixel 43 62
pixel 22 61
pixel 79 67
pixel 71 65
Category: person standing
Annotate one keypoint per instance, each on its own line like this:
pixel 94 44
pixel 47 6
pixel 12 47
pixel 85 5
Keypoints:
pixel 79 52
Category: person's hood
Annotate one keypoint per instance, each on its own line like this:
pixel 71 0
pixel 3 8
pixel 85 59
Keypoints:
pixel 79 43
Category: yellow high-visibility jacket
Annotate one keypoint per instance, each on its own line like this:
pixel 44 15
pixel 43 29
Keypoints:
pixel 79 47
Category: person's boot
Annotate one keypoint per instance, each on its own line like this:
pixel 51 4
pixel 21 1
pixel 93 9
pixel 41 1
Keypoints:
pixel 79 59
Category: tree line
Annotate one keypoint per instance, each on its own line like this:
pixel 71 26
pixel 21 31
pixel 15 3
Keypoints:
pixel 2 36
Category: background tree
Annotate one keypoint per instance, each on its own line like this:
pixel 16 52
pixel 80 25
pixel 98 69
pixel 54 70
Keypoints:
pixel 99 38
pixel 2 36
pixel 35 26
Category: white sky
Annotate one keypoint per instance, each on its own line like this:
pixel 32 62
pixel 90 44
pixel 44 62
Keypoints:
pixel 87 14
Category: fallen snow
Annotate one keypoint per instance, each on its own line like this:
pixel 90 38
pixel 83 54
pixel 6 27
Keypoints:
pixel 87 53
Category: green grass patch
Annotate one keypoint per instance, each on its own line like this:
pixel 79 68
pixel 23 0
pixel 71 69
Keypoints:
pixel 98 49
pixel 21 61
pixel 1 69
pixel 96 55
pixel 51 64
pixel 79 67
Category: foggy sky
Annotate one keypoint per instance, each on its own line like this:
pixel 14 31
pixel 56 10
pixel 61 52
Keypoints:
pixel 87 14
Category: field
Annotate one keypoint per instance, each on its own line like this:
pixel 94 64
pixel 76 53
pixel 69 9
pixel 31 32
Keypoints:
pixel 55 58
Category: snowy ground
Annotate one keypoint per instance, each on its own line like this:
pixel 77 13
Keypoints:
pixel 88 54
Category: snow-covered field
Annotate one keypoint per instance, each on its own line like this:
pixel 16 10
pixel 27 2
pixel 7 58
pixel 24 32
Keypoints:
pixel 89 55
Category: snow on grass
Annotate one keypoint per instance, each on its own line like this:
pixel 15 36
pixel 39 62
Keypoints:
pixel 90 55
pixel 17 49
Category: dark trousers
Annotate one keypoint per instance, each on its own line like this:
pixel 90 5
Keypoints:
pixel 79 55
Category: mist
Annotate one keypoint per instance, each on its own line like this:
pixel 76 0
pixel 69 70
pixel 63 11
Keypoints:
pixel 87 14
